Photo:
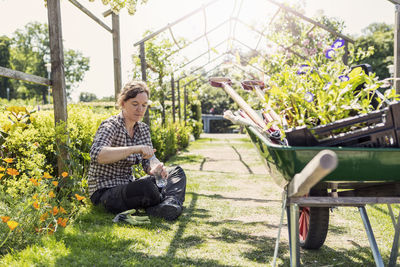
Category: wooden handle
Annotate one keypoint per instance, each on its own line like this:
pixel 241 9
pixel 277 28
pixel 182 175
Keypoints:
pixel 225 84
pixel 320 166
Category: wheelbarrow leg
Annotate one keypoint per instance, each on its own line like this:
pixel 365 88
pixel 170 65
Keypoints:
pixel 293 227
pixel 371 238
pixel 284 198
pixel 395 247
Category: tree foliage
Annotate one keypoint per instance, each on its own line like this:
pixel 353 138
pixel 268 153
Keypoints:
pixel 5 62
pixel 29 51
pixel 117 5
pixel 379 36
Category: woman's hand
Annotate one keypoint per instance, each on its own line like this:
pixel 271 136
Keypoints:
pixel 147 151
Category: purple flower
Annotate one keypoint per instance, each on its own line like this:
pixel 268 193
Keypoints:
pixel 327 86
pixel 338 43
pixel 344 78
pixel 303 69
pixel 330 53
pixel 309 97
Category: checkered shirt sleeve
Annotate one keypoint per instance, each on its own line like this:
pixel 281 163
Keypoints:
pixel 112 133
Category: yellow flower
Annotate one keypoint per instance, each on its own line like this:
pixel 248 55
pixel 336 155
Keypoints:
pixel 47 175
pixel 62 210
pixel 1 175
pixel 55 183
pixel 44 216
pixel 2 169
pixel 12 171
pixel 12 224
pixel 55 210
pixel 34 181
pixel 36 144
pixel 78 197
pixel 36 205
pixel 8 160
pixel 51 194
pixel 64 174
pixel 5 219
pixel 35 196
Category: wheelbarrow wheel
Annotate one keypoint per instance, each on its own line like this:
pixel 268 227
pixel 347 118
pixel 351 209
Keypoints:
pixel 313 224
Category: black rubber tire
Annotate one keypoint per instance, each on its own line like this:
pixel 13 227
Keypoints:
pixel 318 225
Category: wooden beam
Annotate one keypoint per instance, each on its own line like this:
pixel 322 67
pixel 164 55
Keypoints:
pixel 14 74
pixel 90 14
pixel 58 76
pixel 396 46
pixel 116 54
pixel 396 2
pixel 173 23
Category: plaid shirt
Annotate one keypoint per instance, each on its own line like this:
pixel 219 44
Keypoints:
pixel 112 133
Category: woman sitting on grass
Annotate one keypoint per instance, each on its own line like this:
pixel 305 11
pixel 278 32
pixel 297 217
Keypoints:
pixel 122 141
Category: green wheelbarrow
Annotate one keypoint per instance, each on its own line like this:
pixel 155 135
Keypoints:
pixel 317 178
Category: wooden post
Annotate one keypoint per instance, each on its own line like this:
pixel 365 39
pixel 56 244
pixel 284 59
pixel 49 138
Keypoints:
pixel 397 49
pixel 346 53
pixel 143 66
pixel 179 99
pixel 184 102
pixel 57 76
pixel 116 54
pixel 173 97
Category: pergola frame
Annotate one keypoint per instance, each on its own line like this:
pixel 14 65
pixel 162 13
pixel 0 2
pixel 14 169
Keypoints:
pixel 168 27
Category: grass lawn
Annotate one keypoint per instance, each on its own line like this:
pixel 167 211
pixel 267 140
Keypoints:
pixel 229 219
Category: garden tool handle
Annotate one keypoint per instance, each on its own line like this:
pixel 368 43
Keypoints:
pixel 316 169
pixel 225 83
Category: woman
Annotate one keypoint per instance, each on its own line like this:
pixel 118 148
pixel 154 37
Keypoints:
pixel 122 141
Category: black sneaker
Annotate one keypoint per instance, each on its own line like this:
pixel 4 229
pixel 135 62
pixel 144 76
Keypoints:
pixel 169 209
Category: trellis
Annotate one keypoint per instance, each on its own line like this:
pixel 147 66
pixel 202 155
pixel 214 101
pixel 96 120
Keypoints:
pixel 234 20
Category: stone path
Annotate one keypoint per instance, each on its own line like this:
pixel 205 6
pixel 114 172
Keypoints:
pixel 227 155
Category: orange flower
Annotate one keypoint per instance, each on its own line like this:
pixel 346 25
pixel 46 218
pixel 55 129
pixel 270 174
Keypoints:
pixel 44 216
pixel 5 219
pixel 55 183
pixel 12 171
pixel 51 229
pixel 55 210
pixel 36 205
pixel 1 175
pixel 12 224
pixel 51 194
pixel 34 181
pixel 64 174
pixel 36 144
pixel 8 160
pixel 62 210
pixel 2 169
pixel 62 221
pixel 78 197
pixel 47 175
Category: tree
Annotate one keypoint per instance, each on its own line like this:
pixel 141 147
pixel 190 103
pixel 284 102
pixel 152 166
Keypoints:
pixel 87 97
pixel 30 51
pixel 380 37
pixel 5 62
pixel 117 5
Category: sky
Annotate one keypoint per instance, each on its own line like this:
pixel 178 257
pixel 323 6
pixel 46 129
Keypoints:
pixel 81 33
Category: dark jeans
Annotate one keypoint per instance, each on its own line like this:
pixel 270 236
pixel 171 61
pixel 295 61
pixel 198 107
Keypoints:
pixel 142 193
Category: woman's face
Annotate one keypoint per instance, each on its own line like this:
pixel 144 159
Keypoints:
pixel 134 108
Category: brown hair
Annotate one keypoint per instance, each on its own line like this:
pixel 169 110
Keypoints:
pixel 131 90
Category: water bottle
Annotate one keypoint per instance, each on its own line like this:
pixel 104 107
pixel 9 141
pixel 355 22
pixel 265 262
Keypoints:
pixel 156 166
